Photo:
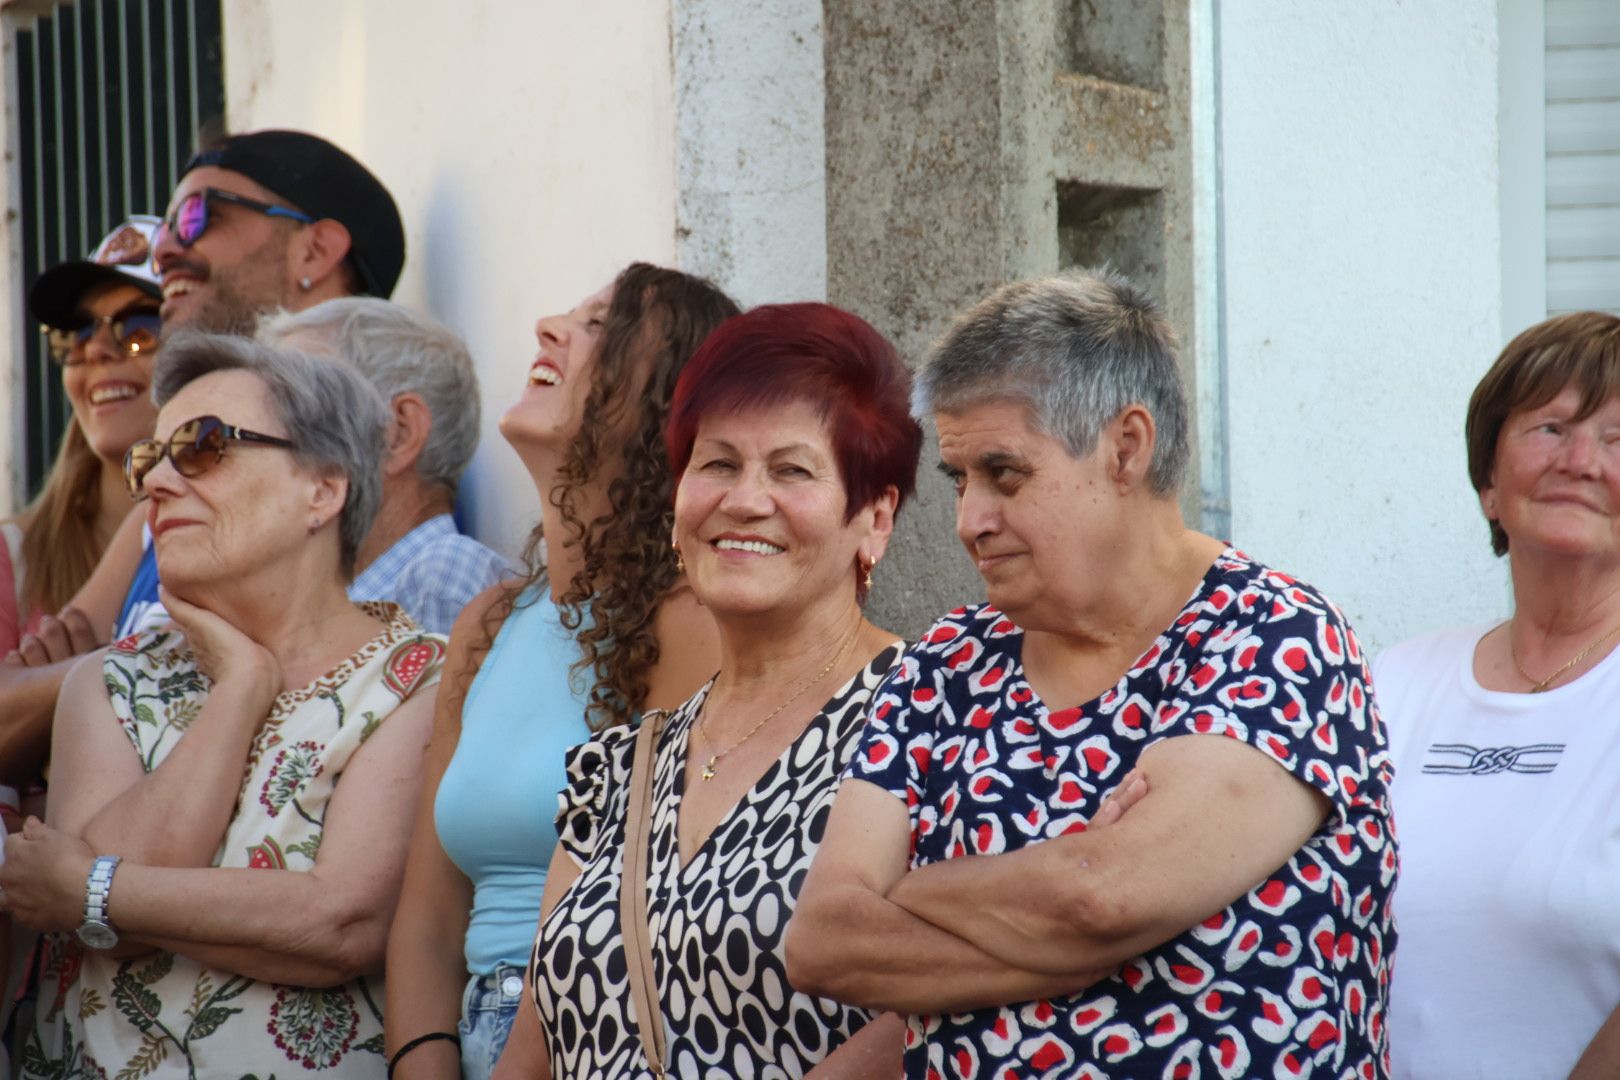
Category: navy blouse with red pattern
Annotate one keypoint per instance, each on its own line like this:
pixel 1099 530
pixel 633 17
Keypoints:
pixel 1291 979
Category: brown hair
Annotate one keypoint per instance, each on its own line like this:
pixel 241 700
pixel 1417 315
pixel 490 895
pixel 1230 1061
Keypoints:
pixel 654 324
pixel 59 545
pixel 1580 350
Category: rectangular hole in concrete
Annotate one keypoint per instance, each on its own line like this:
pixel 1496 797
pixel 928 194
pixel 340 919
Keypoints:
pixel 1118 40
pixel 1119 226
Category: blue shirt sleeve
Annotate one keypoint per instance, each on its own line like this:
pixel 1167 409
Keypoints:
pixel 141 597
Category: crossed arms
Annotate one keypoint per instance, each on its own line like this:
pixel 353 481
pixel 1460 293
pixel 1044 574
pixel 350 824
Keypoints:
pixel 1051 919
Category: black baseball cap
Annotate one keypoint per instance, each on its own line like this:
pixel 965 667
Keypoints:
pixel 324 182
pixel 125 255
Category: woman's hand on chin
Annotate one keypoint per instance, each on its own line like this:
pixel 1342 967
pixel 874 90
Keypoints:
pixel 44 877
pixel 224 653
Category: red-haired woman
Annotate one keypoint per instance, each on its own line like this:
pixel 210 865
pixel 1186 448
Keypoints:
pixel 794 447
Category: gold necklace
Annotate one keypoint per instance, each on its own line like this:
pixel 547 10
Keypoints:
pixel 1539 686
pixel 798 692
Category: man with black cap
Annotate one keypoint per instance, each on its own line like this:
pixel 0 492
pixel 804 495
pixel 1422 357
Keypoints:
pixel 274 219
pixel 260 221
pixel 285 220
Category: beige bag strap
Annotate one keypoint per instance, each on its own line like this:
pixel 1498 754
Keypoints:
pixel 633 894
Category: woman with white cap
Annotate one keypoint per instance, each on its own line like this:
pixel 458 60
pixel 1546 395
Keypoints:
pixel 100 315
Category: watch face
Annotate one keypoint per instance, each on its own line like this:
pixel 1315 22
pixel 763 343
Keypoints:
pixel 98 935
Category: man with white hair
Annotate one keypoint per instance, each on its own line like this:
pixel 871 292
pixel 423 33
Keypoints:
pixel 413 554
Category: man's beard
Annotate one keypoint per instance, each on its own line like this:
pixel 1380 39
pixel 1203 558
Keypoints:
pixel 225 311
pixel 238 296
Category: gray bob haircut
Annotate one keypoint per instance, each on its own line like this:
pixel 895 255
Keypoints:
pixel 398 351
pixel 1077 349
pixel 335 421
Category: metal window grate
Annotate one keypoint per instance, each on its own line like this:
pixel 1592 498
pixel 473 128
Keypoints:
pixel 111 94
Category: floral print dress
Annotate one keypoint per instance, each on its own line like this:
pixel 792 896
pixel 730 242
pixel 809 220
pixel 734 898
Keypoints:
pixel 163 1015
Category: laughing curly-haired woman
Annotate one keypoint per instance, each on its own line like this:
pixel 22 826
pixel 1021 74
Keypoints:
pixel 586 642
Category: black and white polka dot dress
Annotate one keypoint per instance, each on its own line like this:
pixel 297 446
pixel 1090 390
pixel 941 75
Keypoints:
pixel 716 924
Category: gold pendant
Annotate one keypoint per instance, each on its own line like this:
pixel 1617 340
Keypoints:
pixel 708 770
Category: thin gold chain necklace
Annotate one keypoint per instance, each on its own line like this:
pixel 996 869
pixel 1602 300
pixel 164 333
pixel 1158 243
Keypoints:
pixel 798 692
pixel 1538 686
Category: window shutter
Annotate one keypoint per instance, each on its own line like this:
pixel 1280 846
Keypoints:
pixel 1583 155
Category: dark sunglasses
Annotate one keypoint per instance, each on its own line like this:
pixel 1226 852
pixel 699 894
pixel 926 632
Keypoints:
pixel 195 447
pixel 189 220
pixel 135 331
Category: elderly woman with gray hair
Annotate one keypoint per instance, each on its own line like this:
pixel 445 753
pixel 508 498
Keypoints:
pixel 1234 921
pixel 412 554
pixel 232 795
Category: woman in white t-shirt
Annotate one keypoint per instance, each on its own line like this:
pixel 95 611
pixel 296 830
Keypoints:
pixel 1506 740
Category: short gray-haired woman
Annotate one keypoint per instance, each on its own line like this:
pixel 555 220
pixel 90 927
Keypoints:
pixel 231 802
pixel 1236 918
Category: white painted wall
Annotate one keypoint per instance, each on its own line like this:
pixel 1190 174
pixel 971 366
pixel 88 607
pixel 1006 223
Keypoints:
pixel 1363 298
pixel 530 147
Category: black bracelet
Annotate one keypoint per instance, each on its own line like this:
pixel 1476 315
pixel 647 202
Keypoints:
pixel 393 1062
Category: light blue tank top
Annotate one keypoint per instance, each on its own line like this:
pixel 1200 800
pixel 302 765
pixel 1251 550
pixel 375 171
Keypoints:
pixel 497 804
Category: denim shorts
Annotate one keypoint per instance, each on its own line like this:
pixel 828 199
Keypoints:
pixel 488 1007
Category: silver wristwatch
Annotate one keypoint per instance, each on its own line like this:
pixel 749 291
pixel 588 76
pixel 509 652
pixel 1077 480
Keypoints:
pixel 97 931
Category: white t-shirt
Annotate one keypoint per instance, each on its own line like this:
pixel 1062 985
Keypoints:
pixel 1507 809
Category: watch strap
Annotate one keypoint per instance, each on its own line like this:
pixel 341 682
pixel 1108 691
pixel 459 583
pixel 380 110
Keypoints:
pixel 98 888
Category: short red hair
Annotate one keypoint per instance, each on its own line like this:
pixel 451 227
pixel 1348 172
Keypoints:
pixel 780 353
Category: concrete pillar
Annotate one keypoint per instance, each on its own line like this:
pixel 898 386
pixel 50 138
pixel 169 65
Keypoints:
pixel 972 143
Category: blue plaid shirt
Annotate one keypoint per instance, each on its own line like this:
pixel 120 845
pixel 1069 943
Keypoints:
pixel 431 572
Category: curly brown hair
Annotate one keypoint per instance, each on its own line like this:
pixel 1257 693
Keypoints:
pixel 655 322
